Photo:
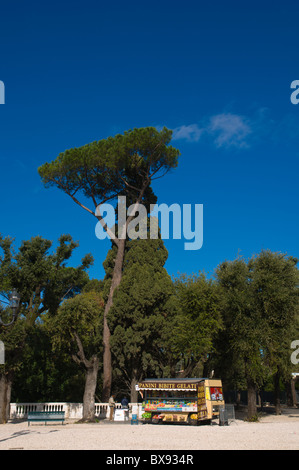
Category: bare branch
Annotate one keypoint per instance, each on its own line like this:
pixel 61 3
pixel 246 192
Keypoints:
pixel 80 204
pixel 112 235
pixel 81 354
pixel 161 176
pixel 129 185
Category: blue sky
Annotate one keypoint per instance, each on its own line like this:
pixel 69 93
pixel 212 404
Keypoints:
pixel 217 73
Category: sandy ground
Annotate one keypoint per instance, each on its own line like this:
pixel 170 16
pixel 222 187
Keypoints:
pixel 270 433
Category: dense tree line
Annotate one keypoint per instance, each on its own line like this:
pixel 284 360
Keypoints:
pixel 77 339
pixel 240 324
pixel 44 281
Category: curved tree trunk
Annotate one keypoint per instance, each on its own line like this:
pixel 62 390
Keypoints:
pixel 90 389
pixel 91 375
pixel 116 278
pixel 107 363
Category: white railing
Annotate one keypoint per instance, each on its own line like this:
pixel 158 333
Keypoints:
pixel 72 410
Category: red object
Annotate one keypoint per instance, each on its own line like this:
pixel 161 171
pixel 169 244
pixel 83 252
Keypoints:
pixel 216 393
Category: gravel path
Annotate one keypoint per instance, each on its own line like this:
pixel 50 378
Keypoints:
pixel 271 433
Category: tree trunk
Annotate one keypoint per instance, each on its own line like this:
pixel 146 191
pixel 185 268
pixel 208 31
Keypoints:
pixel 238 398
pixel 251 398
pixel 5 394
pixel 293 391
pixel 107 363
pixel 277 393
pixel 90 389
pixel 134 393
pixel 289 395
pixel 116 278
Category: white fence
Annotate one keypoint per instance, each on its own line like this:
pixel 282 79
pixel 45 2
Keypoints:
pixel 72 410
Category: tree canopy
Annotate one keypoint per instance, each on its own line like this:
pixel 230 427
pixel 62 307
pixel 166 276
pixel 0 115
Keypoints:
pixel 125 164
pixel 259 311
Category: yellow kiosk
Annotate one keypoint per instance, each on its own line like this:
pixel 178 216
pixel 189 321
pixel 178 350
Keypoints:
pixel 181 400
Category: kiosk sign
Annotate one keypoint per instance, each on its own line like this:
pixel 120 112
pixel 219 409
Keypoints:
pixel 166 386
pixel 201 402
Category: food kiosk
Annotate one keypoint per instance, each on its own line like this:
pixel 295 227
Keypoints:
pixel 191 401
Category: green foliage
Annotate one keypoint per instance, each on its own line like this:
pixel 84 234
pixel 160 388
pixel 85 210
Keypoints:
pixel 253 419
pixel 13 338
pixel 242 322
pixel 43 280
pixel 104 169
pixel 141 310
pixel 260 314
pixel 274 281
pixel 199 318
pixel 79 317
pixel 5 263
pixel 45 375
pixel 240 342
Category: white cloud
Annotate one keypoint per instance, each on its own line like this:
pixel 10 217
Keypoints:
pixel 192 133
pixel 225 130
pixel 229 130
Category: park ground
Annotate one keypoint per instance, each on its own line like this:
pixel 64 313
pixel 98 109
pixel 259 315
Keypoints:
pixel 271 432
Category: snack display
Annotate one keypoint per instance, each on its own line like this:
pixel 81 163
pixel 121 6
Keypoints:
pixel 169 405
